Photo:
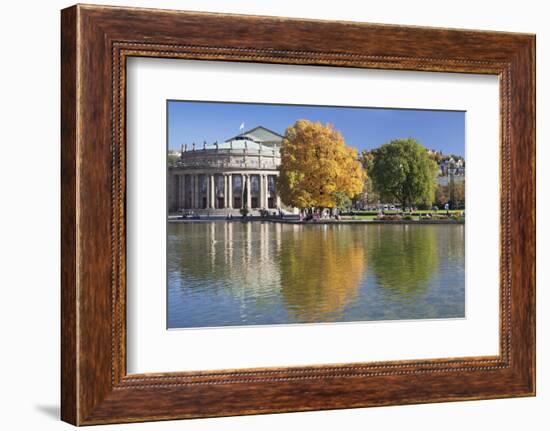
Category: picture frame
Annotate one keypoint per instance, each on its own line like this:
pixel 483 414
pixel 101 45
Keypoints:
pixel 96 42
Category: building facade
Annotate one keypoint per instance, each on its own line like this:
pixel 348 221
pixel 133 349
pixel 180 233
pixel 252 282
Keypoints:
pixel 451 170
pixel 222 178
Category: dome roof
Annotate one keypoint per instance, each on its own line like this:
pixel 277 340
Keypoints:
pixel 249 143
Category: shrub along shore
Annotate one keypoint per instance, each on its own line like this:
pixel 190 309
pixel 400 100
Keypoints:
pixel 344 220
pixel 415 216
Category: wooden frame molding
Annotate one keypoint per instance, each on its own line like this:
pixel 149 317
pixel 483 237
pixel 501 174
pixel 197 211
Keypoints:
pixel 95 43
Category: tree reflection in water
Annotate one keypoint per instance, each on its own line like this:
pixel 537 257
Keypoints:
pixel 404 259
pixel 321 269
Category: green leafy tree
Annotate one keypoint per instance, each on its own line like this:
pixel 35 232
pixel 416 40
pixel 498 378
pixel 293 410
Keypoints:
pixel 442 195
pixel 368 196
pixel 402 170
pixel 342 201
pixel 460 194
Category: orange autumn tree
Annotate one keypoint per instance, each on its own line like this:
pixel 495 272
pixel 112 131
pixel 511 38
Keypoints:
pixel 317 167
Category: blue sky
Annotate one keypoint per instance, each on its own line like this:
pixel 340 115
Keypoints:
pixel 362 128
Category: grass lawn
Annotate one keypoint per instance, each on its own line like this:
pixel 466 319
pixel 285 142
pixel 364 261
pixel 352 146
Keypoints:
pixel 414 213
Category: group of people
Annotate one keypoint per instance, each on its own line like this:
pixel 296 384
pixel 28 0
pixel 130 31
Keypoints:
pixel 319 214
pixel 263 213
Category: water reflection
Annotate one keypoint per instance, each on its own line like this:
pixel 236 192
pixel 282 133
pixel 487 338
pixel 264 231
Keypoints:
pixel 232 273
pixel 404 260
pixel 321 270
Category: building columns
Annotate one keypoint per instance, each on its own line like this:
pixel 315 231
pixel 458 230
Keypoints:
pixel 260 191
pixel 197 190
pixel 181 198
pixel 218 189
pixel 243 186
pixel 208 194
pixel 191 192
pixel 212 201
pixel 249 193
pixel 266 191
pixel 208 191
pixel 246 185
pixel 175 196
pixel 230 191
pixel 224 191
pixel 212 191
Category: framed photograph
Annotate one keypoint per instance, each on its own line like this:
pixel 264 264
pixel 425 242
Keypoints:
pixel 264 214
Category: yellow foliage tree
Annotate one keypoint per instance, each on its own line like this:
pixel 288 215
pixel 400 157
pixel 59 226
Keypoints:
pixel 317 167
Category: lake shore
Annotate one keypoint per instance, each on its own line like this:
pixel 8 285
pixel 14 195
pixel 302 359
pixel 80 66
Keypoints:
pixel 310 222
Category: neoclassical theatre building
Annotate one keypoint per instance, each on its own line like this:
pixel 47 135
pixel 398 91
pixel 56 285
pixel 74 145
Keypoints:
pixel 212 178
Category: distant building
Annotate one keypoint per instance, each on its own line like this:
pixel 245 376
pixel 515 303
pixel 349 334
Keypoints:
pixel 212 178
pixel 451 168
pixel 174 153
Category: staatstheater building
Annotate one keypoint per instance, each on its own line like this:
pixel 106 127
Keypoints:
pixel 222 178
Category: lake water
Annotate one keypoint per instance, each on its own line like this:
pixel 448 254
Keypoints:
pixel 260 273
